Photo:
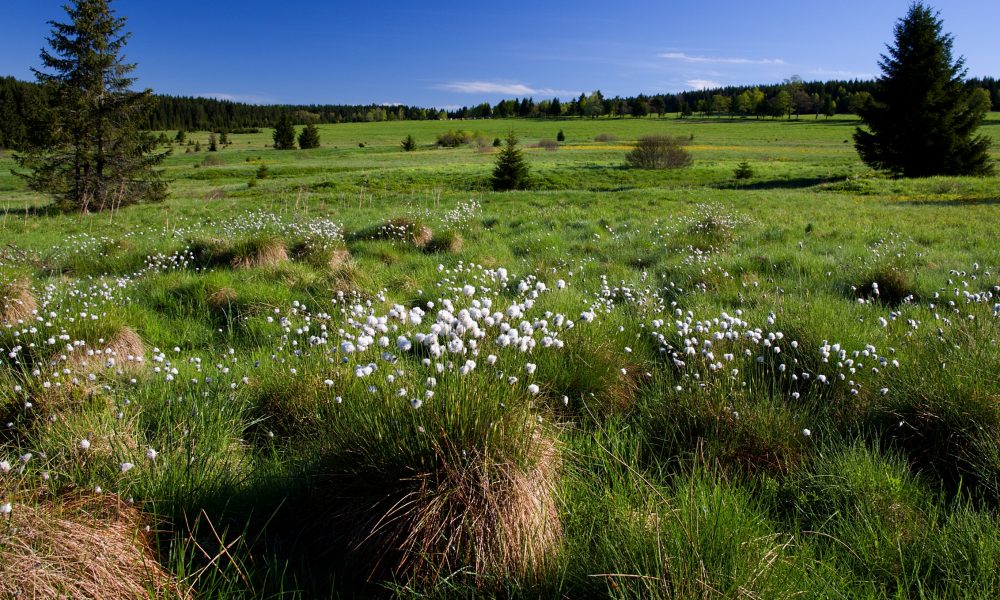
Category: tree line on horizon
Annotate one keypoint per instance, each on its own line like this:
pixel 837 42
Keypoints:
pixel 23 105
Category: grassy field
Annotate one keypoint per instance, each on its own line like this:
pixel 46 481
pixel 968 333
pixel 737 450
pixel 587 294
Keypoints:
pixel 365 375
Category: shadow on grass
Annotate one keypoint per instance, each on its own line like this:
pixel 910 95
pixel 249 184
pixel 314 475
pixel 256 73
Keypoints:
pixel 945 202
pixel 44 210
pixel 778 184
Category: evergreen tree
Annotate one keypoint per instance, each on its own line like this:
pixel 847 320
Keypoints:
pixel 555 108
pixel 96 156
pixel 224 138
pixel 560 137
pixel 181 136
pixel 923 118
pixel 409 144
pixel 213 143
pixel 309 138
pixel 511 171
pixel 284 133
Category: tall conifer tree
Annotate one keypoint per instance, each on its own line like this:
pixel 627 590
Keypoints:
pixel 309 138
pixel 924 118
pixel 284 133
pixel 96 157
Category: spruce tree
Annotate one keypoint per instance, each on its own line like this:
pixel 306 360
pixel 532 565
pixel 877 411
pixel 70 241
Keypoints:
pixel 213 144
pixel 923 119
pixel 284 133
pixel 96 157
pixel 309 138
pixel 511 171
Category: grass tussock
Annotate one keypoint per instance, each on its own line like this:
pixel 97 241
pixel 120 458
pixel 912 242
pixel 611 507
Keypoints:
pixel 16 302
pixel 447 242
pixel 222 298
pixel 82 547
pixel 259 252
pixel 402 229
pixel 889 286
pixel 124 350
pixel 323 256
pixel 490 519
pixel 256 251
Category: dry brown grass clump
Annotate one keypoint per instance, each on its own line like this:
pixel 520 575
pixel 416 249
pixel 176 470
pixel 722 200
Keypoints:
pixel 125 347
pixel 264 252
pixel 338 258
pixel 83 547
pixel 222 297
pixel 16 302
pixel 470 514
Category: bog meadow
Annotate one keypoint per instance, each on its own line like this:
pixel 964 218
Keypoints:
pixel 357 370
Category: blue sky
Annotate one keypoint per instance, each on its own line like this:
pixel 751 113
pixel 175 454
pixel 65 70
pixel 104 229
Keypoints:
pixel 448 54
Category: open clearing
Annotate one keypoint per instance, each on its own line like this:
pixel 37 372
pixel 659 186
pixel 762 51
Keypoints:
pixel 365 374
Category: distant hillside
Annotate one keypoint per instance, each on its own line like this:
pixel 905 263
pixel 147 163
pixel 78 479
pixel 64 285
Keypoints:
pixel 23 113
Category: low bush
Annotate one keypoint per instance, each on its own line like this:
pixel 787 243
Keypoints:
pixel 659 152
pixel 453 138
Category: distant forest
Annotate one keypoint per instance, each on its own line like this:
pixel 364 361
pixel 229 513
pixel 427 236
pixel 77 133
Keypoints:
pixel 23 118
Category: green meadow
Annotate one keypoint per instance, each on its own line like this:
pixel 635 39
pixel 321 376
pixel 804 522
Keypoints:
pixel 355 371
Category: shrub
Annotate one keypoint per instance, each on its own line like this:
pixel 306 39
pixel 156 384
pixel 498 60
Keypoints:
pixel 409 144
pixel 453 138
pixel 743 171
pixel 481 144
pixel 263 172
pixel 605 137
pixel 497 142
pixel 659 152
pixel 213 160
pixel 550 145
pixel 560 137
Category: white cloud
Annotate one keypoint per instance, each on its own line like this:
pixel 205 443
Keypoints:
pixel 720 60
pixel 702 84
pixel 507 89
